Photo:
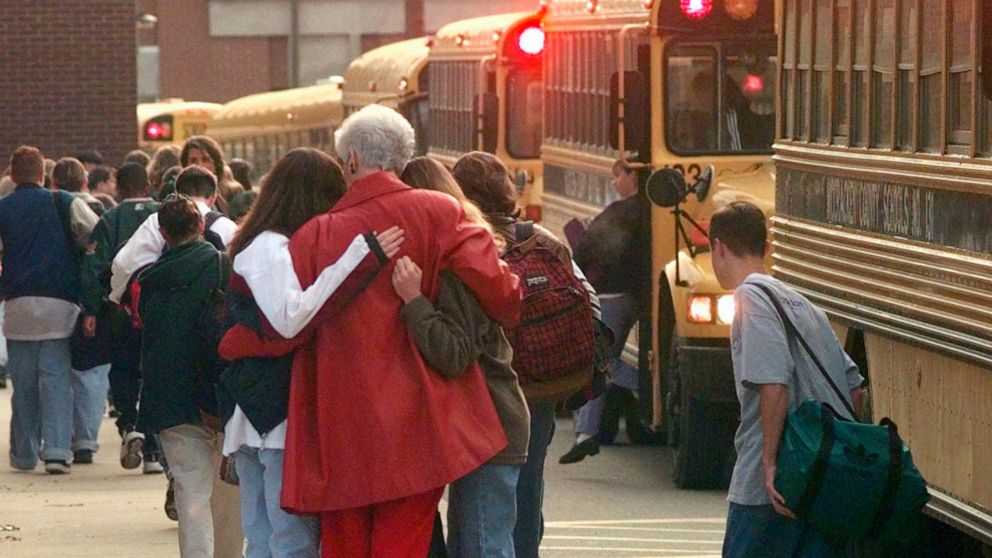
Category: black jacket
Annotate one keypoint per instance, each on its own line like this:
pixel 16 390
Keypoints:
pixel 175 290
pixel 615 251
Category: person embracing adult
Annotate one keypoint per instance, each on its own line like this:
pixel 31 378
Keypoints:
pixel 253 394
pixel 486 181
pixel 374 434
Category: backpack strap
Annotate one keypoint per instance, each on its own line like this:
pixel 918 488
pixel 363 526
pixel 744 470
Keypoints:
pixel 523 231
pixel 63 207
pixel 211 218
pixel 792 331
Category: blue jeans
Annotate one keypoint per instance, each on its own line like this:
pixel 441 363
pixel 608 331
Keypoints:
pixel 529 530
pixel 271 532
pixel 759 532
pixel 89 402
pixel 482 511
pixel 41 418
pixel 620 313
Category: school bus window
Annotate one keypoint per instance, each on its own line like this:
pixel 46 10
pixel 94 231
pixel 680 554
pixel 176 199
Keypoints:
pixel 523 113
pixel 883 73
pixel 720 98
pixel 962 77
pixel 821 75
pixel 906 80
pixel 931 77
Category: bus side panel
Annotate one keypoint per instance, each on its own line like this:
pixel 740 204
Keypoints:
pixel 944 411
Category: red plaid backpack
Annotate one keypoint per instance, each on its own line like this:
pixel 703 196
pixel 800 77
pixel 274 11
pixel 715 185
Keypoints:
pixel 555 337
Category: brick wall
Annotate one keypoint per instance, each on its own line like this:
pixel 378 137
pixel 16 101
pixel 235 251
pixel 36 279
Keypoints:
pixel 68 77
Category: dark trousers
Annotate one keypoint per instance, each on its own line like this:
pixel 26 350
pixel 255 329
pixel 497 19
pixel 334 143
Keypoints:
pixel 759 532
pixel 125 377
pixel 529 530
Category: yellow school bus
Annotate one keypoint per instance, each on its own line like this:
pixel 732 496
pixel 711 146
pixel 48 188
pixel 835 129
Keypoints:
pixel 884 207
pixel 171 122
pixel 680 85
pixel 394 75
pixel 485 94
pixel 260 128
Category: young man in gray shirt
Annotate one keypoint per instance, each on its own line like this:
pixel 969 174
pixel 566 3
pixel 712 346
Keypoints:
pixel 773 374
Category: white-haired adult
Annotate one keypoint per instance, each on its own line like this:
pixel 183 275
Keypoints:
pixel 374 434
pixel 374 139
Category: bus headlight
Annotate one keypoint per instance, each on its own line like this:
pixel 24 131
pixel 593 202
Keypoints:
pixel 725 308
pixel 708 309
pixel 701 310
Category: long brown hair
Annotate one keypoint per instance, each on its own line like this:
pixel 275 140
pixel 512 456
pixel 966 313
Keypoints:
pixel 427 174
pixel 304 183
pixel 486 181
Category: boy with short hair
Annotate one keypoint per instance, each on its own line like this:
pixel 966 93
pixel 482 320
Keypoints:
pixel 147 244
pixel 41 233
pixel 177 385
pixel 773 375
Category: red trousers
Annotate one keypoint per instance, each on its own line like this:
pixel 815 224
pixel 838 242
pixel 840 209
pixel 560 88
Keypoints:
pixel 395 529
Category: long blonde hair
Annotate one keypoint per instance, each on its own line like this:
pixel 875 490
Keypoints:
pixel 427 174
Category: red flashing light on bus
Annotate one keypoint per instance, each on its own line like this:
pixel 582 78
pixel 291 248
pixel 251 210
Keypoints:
pixel 531 41
pixel 753 83
pixel 155 131
pixel 697 9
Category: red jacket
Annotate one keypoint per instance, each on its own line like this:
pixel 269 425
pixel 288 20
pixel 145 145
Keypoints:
pixel 368 420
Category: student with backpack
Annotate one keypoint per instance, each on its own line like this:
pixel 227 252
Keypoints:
pixel 42 233
pixel 559 304
pixel 451 333
pixel 147 243
pixel 115 228
pixel 773 376
pixel 178 358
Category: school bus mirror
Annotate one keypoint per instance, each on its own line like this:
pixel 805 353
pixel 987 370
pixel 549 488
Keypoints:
pixel 703 183
pixel 489 121
pixel 635 111
pixel 666 187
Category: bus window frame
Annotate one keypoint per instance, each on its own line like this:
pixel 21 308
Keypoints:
pixel 537 78
pixel 716 44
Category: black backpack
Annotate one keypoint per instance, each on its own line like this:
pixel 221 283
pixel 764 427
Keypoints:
pixel 209 235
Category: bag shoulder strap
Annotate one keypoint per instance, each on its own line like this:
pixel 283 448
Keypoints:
pixel 790 329
pixel 63 207
pixel 211 218
pixel 523 231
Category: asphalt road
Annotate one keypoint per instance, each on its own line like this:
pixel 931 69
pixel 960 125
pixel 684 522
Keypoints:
pixel 620 503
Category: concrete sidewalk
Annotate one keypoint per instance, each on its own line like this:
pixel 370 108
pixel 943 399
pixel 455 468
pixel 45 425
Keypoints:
pixel 99 510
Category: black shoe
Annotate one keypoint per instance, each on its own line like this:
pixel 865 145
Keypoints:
pixel 82 457
pixel 580 451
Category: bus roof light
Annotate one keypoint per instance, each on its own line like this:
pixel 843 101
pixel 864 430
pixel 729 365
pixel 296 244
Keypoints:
pixel 531 41
pixel 697 9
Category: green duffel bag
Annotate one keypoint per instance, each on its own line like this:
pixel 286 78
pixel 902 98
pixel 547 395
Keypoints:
pixel 851 481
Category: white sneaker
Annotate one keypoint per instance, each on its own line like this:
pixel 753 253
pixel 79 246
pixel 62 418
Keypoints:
pixel 131 449
pixel 56 467
pixel 153 468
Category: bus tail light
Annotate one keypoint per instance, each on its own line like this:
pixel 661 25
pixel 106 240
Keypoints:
pixel 159 129
pixel 697 9
pixel 701 310
pixel 725 309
